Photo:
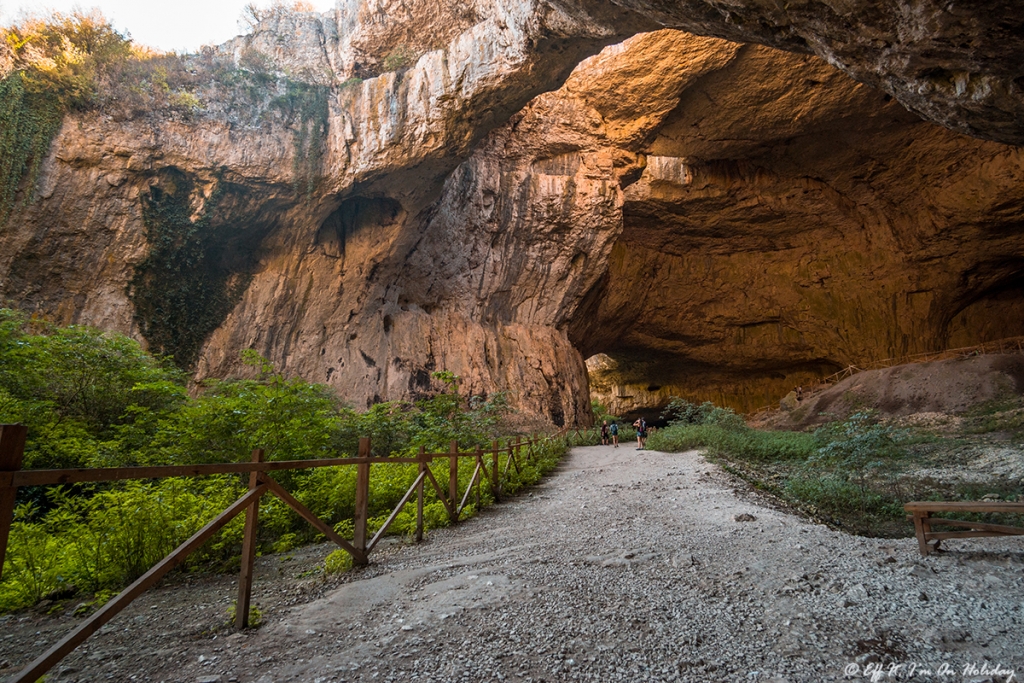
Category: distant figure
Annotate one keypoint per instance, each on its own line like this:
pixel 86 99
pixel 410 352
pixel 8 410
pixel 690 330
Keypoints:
pixel 799 393
pixel 641 433
pixel 604 433
pixel 614 429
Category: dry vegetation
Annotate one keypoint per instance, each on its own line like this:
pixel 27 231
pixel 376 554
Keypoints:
pixel 64 63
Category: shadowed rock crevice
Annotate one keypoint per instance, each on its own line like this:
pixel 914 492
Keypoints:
pixel 355 214
pixel 203 241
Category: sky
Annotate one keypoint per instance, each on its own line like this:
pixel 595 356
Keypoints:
pixel 178 25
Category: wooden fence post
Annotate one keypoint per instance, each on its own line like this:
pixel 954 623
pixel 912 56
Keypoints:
pixel 495 473
pixel 362 502
pixel 252 515
pixel 453 479
pixel 419 495
pixel 12 450
pixel 480 470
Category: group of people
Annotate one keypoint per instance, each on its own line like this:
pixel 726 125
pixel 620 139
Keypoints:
pixel 610 433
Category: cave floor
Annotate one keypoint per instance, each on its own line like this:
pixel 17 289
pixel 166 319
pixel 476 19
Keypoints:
pixel 622 565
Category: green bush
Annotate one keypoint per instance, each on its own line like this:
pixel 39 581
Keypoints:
pixel 858 444
pixel 337 562
pixel 740 442
pixel 92 399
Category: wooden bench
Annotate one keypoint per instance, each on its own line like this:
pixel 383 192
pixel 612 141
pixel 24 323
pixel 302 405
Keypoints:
pixel 928 540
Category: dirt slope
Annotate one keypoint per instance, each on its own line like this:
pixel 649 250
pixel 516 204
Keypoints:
pixel 948 386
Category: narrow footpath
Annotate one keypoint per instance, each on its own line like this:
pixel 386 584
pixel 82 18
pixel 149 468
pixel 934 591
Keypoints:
pixel 624 565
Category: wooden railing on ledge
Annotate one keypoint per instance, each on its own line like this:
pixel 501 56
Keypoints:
pixel 12 444
pixel 1008 345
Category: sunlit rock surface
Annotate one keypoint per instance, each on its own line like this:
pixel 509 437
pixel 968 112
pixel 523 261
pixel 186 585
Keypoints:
pixel 798 223
pixel 723 220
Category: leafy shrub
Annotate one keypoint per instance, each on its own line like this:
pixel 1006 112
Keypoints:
pixel 88 398
pixel 337 562
pixel 681 411
pixel 290 418
pixel 858 446
pixel 255 615
pixel 92 399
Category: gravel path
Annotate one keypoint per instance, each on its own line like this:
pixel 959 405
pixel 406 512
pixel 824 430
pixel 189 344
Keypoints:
pixel 623 566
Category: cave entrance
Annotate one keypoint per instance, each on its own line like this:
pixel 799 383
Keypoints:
pixel 632 383
pixel 743 329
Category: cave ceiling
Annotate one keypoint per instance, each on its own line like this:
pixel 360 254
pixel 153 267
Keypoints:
pixel 723 212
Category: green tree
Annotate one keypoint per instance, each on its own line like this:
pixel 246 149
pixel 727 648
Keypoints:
pixel 290 418
pixel 57 63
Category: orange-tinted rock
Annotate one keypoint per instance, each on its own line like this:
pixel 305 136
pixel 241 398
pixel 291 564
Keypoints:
pixel 722 220
pixel 791 222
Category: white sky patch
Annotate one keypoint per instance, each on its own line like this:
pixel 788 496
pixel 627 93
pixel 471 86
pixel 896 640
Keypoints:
pixel 181 25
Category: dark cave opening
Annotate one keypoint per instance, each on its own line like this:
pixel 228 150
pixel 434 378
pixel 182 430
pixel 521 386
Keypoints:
pixel 354 215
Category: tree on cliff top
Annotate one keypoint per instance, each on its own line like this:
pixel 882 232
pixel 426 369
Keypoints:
pixel 48 67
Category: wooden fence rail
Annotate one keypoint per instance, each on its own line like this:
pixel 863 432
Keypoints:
pixel 12 477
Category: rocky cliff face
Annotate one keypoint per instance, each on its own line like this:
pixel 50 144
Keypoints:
pixel 721 220
pixel 794 225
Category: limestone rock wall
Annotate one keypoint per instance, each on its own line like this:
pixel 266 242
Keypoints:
pixel 803 222
pixel 719 219
pixel 486 280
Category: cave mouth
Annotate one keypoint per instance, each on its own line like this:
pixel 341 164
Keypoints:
pixel 632 383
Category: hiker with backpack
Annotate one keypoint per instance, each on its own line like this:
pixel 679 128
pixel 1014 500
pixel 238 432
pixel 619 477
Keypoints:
pixel 641 433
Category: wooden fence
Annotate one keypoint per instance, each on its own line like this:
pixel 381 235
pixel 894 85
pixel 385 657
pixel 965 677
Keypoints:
pixel 1008 345
pixel 12 443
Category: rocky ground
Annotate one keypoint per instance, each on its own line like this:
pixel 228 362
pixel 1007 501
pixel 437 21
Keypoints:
pixel 623 566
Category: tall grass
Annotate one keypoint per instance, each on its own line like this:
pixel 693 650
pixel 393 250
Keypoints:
pixel 842 473
pixel 740 442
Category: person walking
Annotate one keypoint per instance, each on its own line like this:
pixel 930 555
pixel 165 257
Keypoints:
pixel 641 433
pixel 614 431
pixel 604 433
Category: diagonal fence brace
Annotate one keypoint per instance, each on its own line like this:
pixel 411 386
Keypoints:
pixel 48 659
pixel 443 497
pixel 307 514
pixel 398 508
pixel 469 488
